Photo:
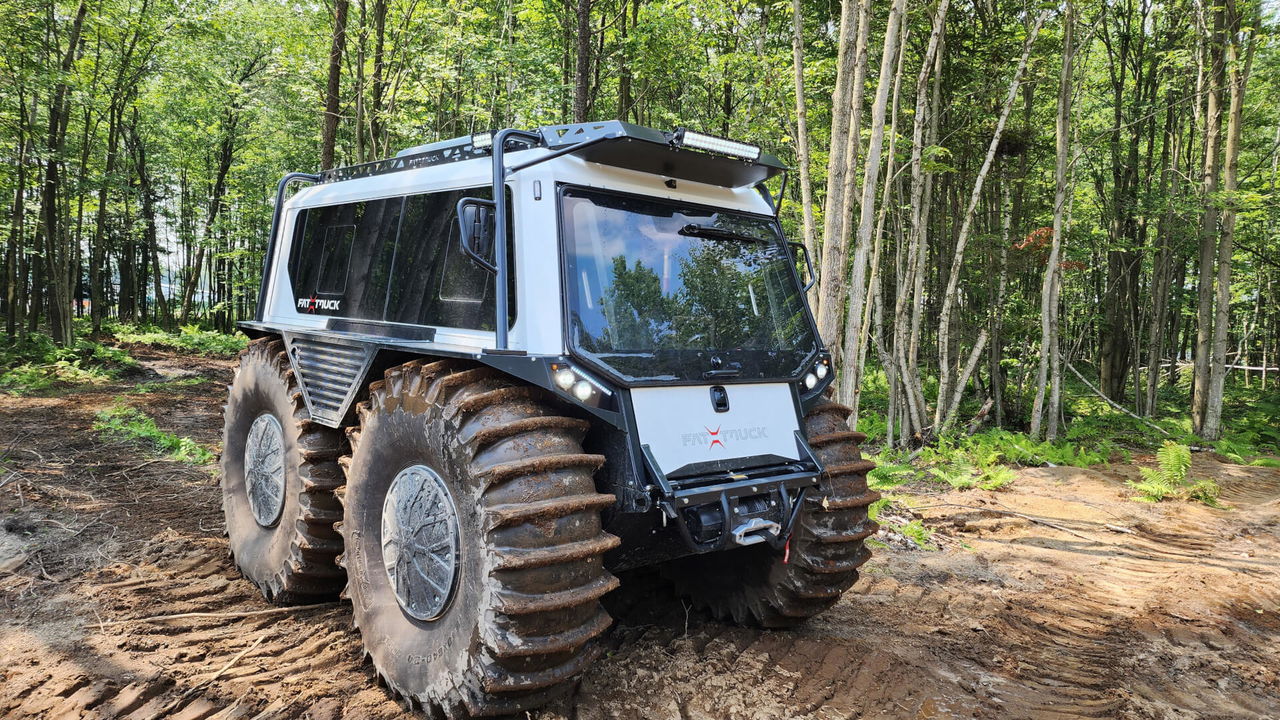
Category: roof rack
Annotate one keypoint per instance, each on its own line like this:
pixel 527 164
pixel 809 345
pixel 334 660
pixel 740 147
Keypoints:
pixel 612 142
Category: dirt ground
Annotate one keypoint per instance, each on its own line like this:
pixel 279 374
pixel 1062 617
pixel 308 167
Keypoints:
pixel 1056 597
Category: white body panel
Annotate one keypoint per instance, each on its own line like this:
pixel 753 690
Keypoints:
pixel 681 427
pixel 538 327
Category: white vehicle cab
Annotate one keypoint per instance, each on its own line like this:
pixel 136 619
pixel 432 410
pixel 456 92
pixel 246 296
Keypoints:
pixel 491 370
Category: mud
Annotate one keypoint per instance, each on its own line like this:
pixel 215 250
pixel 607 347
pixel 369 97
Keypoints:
pixel 1057 597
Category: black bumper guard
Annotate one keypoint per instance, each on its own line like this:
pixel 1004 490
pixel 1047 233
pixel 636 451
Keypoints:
pixel 753 506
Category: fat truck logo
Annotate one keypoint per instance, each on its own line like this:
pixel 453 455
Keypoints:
pixel 314 303
pixel 719 436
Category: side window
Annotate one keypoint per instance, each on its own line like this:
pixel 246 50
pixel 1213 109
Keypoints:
pixel 341 261
pixel 397 260
pixel 462 280
pixel 434 283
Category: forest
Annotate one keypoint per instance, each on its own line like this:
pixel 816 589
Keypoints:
pixel 1059 219
pixel 1047 243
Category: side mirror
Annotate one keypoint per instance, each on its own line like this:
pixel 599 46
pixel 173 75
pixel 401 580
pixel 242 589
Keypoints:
pixel 476 231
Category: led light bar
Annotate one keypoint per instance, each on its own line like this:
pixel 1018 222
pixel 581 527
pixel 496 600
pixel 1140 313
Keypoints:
pixel 711 143
pixel 482 141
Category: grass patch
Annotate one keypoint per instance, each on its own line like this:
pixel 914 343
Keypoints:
pixel 1170 478
pixel 189 338
pixel 123 421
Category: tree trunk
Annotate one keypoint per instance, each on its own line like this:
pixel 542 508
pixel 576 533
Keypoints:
pixel 1208 228
pixel 846 127
pixel 97 256
pixel 57 253
pixel 329 131
pixel 150 234
pixel 13 314
pixel 851 373
pixel 1062 135
pixel 1237 78
pixel 582 63
pixel 802 130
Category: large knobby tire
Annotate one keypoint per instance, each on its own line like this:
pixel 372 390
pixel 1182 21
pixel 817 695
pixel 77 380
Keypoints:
pixel 784 587
pixel 289 555
pixel 524 611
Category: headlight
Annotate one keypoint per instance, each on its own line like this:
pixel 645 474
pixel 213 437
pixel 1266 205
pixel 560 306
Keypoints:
pixel 810 380
pixel 565 378
pixel 578 385
pixel 821 371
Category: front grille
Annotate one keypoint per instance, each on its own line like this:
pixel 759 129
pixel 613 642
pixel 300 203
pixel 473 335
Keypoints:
pixel 329 374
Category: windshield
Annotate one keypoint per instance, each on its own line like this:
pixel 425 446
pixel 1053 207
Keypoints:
pixel 662 290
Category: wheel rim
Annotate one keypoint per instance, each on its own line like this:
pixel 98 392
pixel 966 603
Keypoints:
pixel 420 542
pixel 264 469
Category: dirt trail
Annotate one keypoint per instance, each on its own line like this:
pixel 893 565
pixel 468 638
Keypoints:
pixel 1057 597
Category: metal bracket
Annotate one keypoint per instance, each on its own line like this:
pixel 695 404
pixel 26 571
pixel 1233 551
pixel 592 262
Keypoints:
pixel 753 531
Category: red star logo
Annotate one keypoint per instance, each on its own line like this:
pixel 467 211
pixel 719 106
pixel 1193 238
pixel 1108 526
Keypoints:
pixel 713 433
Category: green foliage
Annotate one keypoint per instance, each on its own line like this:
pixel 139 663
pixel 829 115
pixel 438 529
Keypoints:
pixel 916 532
pixel 35 365
pixel 888 474
pixel 1170 478
pixel 190 338
pixel 913 530
pixel 123 421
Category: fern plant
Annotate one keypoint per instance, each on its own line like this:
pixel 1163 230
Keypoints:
pixel 1169 479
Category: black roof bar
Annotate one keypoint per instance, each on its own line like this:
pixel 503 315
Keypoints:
pixel 629 146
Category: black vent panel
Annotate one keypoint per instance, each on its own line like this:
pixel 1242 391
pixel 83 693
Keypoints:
pixel 329 374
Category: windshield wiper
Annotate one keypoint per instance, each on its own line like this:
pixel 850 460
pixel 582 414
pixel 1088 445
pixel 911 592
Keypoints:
pixel 717 233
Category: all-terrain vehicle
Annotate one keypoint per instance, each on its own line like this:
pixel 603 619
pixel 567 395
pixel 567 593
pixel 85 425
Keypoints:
pixel 490 371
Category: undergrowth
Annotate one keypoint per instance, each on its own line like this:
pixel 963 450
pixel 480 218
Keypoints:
pixel 189 338
pixel 1170 478
pixel 35 364
pixel 120 420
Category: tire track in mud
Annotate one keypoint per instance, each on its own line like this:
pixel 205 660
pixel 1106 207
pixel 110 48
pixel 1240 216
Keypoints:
pixel 306 661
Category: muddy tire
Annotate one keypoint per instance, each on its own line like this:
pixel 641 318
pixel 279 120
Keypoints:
pixel 777 588
pixel 279 471
pixel 494 464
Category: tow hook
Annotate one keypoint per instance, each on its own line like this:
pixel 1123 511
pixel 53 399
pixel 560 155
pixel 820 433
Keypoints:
pixel 753 531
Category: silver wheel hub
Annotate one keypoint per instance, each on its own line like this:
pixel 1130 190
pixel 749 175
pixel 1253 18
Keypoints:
pixel 264 469
pixel 420 541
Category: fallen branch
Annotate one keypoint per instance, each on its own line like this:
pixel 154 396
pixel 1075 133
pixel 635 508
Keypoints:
pixel 1118 529
pixel 135 467
pixel 1112 403
pixel 243 614
pixel 981 417
pixel 1028 518
pixel 178 701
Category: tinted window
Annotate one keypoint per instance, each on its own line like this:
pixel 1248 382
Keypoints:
pixel 396 260
pixel 341 261
pixel 666 290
